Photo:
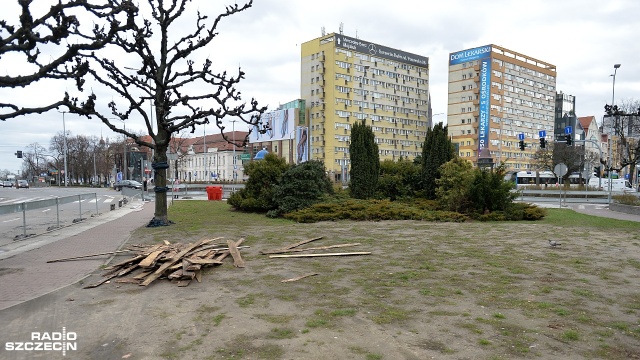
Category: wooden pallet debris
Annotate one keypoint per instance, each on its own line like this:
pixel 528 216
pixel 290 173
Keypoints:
pixel 299 277
pixel 177 262
pixel 293 248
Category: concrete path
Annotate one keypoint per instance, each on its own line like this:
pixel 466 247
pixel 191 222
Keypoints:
pixel 25 273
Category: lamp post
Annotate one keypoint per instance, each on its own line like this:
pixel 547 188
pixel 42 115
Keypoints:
pixel 124 147
pixel 610 142
pixel 233 136
pixel 64 140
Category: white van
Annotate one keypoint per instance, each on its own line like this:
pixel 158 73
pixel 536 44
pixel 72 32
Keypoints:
pixel 616 184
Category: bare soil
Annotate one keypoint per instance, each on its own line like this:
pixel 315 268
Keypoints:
pixel 427 291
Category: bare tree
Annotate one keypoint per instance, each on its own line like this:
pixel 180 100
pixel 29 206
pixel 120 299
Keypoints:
pixel 184 94
pixel 559 153
pixel 25 35
pixel 624 122
pixel 33 161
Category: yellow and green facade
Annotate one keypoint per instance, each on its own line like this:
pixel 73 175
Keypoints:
pixel 344 80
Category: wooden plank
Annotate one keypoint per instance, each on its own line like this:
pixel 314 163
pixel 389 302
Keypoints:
pixel 171 262
pixel 128 270
pixel 319 255
pixel 166 242
pixel 204 261
pixel 237 259
pixel 175 275
pixel 96 284
pixel 226 253
pixel 302 243
pixel 282 251
pixel 183 283
pixel 128 281
pixel 86 256
pixel 299 278
pixel 118 266
pixel 143 274
pixel 150 260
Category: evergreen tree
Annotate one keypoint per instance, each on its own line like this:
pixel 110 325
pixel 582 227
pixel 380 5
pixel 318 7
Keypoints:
pixel 437 150
pixel 365 162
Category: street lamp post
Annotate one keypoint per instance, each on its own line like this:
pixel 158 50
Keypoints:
pixel 233 136
pixel 64 150
pixel 610 142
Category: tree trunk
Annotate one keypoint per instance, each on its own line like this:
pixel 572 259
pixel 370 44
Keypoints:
pixel 160 180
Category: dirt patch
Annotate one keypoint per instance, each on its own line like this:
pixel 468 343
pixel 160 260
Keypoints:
pixel 428 290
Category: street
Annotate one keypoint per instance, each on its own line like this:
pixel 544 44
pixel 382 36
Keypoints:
pixel 40 219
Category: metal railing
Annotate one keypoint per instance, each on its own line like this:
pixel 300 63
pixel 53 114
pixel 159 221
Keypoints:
pixel 25 206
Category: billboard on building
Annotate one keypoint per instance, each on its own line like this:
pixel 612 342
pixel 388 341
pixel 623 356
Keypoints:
pixel 376 50
pixel 302 144
pixel 483 55
pixel 281 126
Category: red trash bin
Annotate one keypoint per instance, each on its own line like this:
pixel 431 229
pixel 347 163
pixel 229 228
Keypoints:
pixel 211 192
pixel 217 192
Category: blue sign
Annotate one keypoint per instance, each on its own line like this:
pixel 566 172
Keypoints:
pixel 568 130
pixel 542 133
pixel 470 55
pixel 520 136
pixel 484 110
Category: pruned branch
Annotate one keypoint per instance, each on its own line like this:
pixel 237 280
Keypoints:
pixel 57 27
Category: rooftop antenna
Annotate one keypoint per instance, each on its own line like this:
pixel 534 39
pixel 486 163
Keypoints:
pixel 341 28
pixel 323 32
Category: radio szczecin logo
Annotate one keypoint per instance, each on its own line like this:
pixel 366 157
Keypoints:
pixel 46 341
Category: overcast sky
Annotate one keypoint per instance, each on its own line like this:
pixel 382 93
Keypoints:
pixel 582 38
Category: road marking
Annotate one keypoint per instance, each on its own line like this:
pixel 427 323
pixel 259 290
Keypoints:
pixel 45 210
pixel 108 200
pixel 6 221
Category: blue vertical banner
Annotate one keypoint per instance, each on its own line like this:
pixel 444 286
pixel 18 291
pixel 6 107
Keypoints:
pixel 483 55
pixel 485 100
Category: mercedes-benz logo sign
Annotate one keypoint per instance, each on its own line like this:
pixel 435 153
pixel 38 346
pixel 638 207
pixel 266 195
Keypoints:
pixel 372 49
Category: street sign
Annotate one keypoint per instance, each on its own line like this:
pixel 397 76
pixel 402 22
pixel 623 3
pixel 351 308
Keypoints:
pixel 568 130
pixel 245 157
pixel 560 169
pixel 520 136
pixel 542 133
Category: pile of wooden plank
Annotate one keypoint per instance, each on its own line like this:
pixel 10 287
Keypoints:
pixel 177 262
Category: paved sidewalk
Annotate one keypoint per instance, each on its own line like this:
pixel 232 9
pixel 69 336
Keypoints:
pixel 25 273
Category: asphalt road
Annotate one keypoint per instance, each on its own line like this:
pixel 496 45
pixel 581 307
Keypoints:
pixel 42 219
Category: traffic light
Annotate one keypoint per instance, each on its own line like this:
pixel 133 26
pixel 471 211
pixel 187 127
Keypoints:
pixel 19 154
pixel 568 139
pixel 521 145
pixel 597 170
pixel 543 143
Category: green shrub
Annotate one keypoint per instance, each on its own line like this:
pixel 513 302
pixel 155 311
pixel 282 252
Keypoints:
pixel 264 176
pixel 301 186
pixel 397 179
pixel 370 210
pixel 627 199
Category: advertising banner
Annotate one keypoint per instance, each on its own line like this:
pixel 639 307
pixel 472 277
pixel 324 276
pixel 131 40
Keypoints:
pixel 380 51
pixel 281 126
pixel 485 109
pixel 483 54
pixel 469 55
pixel 302 144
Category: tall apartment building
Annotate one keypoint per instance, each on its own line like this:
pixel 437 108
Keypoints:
pixel 344 80
pixel 496 97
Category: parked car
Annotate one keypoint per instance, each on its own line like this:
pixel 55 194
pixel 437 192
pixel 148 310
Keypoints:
pixel 131 184
pixel 23 184
pixel 7 183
